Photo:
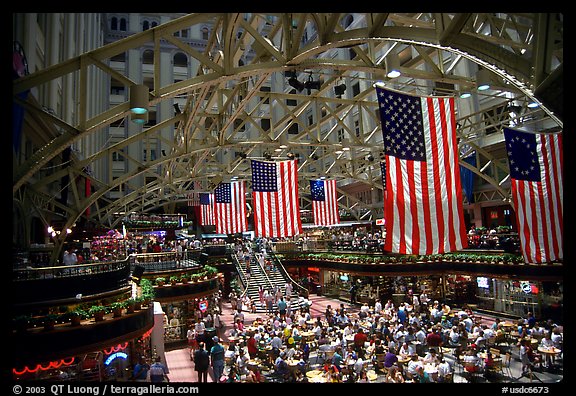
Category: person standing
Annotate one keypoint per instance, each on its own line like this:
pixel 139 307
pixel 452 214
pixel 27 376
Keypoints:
pixel 158 371
pixel 141 368
pixel 217 358
pixel 201 362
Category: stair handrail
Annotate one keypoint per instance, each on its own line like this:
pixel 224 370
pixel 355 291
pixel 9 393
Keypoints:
pixel 263 270
pixel 285 273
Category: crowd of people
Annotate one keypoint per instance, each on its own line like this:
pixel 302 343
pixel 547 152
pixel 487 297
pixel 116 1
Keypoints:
pixel 385 342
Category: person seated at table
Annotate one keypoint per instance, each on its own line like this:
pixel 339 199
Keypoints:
pixel 444 371
pixel 242 361
pixel 358 366
pixel 363 377
pixel 349 330
pixel 394 376
pixel 522 328
pixel 406 349
pixel 342 319
pixel 230 354
pixel 557 337
pixel 431 357
pixel 337 358
pixel 350 354
pixel 233 375
pixel 421 376
pixel 445 322
pixel 281 369
pixel 481 340
pixel 290 348
pixel 471 362
pixel 547 343
pixel 333 374
pixel 254 375
pixel 412 366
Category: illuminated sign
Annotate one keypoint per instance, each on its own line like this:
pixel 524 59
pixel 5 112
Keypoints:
pixel 482 282
pixel 116 355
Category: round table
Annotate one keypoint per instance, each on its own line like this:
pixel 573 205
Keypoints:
pixel 549 350
pixel 316 376
pixel 404 359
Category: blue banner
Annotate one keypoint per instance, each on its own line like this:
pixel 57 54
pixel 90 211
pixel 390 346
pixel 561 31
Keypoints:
pixel 467 177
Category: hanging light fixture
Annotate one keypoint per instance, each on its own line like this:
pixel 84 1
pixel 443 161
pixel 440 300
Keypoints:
pixel 392 62
pixel 339 90
pixel 139 99
pixel 139 118
pixel 483 79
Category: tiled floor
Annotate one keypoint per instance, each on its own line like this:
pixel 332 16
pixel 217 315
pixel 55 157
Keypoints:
pixel 182 368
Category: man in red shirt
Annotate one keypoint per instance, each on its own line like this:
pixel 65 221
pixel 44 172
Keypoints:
pixel 434 339
pixel 359 339
pixel 252 347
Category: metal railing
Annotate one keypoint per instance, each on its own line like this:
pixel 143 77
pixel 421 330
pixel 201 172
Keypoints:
pixel 68 271
pixel 286 275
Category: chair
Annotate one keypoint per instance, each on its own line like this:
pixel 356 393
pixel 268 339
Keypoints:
pixel 495 352
pixel 379 361
pixel 470 371
pixel 506 361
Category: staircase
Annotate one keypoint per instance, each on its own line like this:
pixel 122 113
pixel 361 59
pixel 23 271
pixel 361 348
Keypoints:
pixel 272 279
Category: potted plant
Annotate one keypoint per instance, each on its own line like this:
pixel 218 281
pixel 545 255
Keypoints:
pixel 174 279
pixel 49 321
pixel 160 281
pixel 130 305
pixel 185 277
pixel 77 315
pixel 21 322
pixel 97 312
pixel 117 308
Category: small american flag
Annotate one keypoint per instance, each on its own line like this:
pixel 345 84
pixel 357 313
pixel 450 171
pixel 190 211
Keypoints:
pixel 537 192
pixel 230 208
pixel 275 198
pixel 423 196
pixel 207 209
pixel 324 202
pixel 194 194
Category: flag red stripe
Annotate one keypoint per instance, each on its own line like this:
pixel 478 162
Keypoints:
pixel 552 163
pixel 423 199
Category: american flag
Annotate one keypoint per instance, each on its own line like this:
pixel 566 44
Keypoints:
pixel 230 208
pixel 275 198
pixel 324 202
pixel 207 209
pixel 423 197
pixel 194 195
pixel 537 192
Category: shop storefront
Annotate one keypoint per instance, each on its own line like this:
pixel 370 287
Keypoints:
pixel 518 297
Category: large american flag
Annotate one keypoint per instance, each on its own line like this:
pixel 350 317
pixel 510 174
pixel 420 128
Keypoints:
pixel 275 198
pixel 423 198
pixel 230 208
pixel 537 192
pixel 324 202
pixel 207 209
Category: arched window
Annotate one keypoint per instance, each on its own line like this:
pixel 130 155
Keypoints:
pixel 154 24
pixel 145 25
pixel 180 59
pixel 205 33
pixel 123 24
pixel 148 57
pixel 114 23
